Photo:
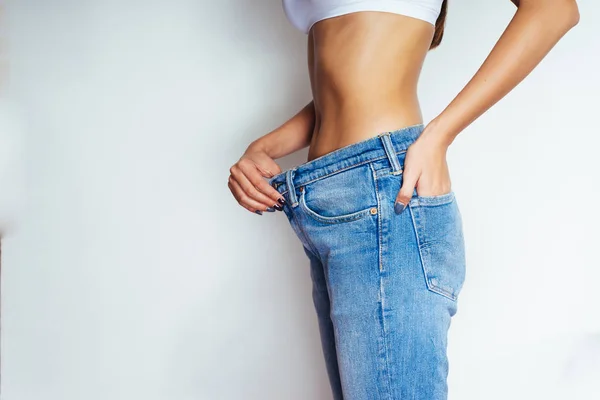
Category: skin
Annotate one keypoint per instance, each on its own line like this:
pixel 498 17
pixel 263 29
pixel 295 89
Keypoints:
pixel 364 69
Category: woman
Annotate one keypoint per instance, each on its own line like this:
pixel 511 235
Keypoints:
pixel 373 204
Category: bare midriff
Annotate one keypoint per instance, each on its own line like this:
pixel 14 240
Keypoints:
pixel 364 69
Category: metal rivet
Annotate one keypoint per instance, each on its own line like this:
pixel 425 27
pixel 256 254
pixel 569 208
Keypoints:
pixel 374 210
pixel 302 188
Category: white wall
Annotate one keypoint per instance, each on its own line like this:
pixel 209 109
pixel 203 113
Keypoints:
pixel 129 271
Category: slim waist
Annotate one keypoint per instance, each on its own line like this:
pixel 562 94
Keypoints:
pixel 374 148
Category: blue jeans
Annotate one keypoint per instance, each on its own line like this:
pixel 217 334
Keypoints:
pixel 385 285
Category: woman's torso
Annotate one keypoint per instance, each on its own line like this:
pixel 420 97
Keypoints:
pixel 364 69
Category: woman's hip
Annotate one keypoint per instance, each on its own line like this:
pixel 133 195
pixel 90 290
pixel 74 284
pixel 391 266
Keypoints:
pixel 341 206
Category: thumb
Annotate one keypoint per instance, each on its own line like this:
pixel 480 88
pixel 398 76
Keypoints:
pixel 405 193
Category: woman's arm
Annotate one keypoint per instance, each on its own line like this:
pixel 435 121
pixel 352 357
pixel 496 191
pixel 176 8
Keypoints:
pixel 246 176
pixel 535 28
pixel 258 161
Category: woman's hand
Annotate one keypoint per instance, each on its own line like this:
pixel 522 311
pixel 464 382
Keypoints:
pixel 248 186
pixel 425 168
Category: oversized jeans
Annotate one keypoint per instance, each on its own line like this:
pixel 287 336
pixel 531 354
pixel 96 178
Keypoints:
pixel 385 285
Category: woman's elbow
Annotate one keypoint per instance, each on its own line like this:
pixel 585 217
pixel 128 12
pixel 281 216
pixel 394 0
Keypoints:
pixel 566 12
pixel 562 13
pixel 571 13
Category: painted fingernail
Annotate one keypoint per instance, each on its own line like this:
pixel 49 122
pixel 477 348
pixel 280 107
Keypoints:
pixel 270 209
pixel 258 212
pixel 399 207
pixel 281 200
pixel 277 207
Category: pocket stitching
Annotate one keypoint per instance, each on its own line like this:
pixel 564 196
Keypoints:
pixel 423 249
pixel 337 219
pixel 435 200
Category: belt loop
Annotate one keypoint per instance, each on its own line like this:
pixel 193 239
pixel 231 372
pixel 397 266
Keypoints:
pixel 289 179
pixel 386 140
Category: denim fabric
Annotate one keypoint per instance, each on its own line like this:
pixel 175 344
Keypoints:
pixel 385 285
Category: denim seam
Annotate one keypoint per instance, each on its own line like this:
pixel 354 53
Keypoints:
pixel 378 213
pixel 442 199
pixel 435 200
pixel 381 288
pixel 344 169
pixel 422 250
pixel 308 242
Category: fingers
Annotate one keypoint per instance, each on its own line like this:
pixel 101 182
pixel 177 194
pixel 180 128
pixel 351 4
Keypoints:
pixel 263 192
pixel 252 183
pixel 252 191
pixel 244 200
pixel 409 181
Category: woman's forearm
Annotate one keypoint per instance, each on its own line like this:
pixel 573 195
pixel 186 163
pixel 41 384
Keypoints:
pixel 534 30
pixel 293 135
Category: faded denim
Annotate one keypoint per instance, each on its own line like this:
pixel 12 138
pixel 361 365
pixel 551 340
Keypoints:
pixel 385 285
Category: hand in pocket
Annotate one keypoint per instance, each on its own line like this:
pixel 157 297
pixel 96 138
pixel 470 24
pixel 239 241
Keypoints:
pixel 425 168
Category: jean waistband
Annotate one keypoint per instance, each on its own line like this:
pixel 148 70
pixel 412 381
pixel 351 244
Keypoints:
pixel 383 145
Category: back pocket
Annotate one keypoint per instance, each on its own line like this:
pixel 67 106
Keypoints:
pixel 438 225
pixel 344 196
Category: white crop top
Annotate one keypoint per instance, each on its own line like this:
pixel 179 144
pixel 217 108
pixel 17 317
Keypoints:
pixel 304 13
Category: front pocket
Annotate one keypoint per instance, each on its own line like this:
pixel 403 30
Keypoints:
pixel 338 218
pixel 438 226
pixel 345 196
